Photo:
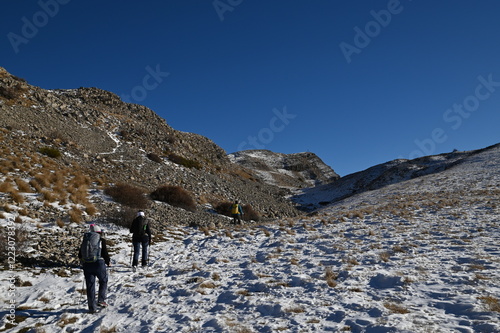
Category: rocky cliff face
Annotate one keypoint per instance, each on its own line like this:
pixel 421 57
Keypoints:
pixel 112 142
pixel 290 171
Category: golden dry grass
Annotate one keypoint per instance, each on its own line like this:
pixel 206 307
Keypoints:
pixel 330 277
pixel 396 308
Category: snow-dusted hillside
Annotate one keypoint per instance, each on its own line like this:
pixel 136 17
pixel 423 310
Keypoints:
pixel 401 171
pixel 421 255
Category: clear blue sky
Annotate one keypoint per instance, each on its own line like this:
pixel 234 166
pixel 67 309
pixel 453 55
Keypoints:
pixel 356 82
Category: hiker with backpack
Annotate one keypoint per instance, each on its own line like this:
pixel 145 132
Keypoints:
pixel 94 257
pixel 236 212
pixel 141 238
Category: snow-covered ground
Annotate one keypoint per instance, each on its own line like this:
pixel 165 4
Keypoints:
pixel 435 270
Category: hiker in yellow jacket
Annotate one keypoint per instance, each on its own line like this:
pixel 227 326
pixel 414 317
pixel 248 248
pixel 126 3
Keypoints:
pixel 236 212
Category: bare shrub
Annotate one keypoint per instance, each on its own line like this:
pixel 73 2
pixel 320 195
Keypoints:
pixel 250 213
pixel 50 152
pixel 155 158
pixel 184 161
pixel 175 196
pixel 128 195
pixel 223 208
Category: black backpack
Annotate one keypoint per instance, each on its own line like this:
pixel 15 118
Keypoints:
pixel 141 226
pixel 91 247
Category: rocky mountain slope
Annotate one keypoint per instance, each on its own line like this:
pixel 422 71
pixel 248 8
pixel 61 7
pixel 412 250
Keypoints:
pixel 96 135
pixel 292 171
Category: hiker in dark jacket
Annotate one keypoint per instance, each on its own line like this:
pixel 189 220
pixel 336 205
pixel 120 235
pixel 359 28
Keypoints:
pixel 94 269
pixel 141 238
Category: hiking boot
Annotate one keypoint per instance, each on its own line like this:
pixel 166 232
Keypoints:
pixel 102 304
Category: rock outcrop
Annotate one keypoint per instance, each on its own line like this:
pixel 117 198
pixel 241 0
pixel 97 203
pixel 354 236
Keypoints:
pixel 291 171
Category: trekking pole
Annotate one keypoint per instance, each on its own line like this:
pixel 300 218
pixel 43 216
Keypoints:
pixel 149 250
pixel 131 249
pixel 81 291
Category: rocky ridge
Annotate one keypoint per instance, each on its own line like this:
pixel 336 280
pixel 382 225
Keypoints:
pixel 115 142
pixel 382 176
pixel 292 171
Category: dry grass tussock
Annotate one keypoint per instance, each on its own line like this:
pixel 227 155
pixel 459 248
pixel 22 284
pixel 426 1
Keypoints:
pixel 50 180
pixel 491 303
pixel 396 308
pixel 331 277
